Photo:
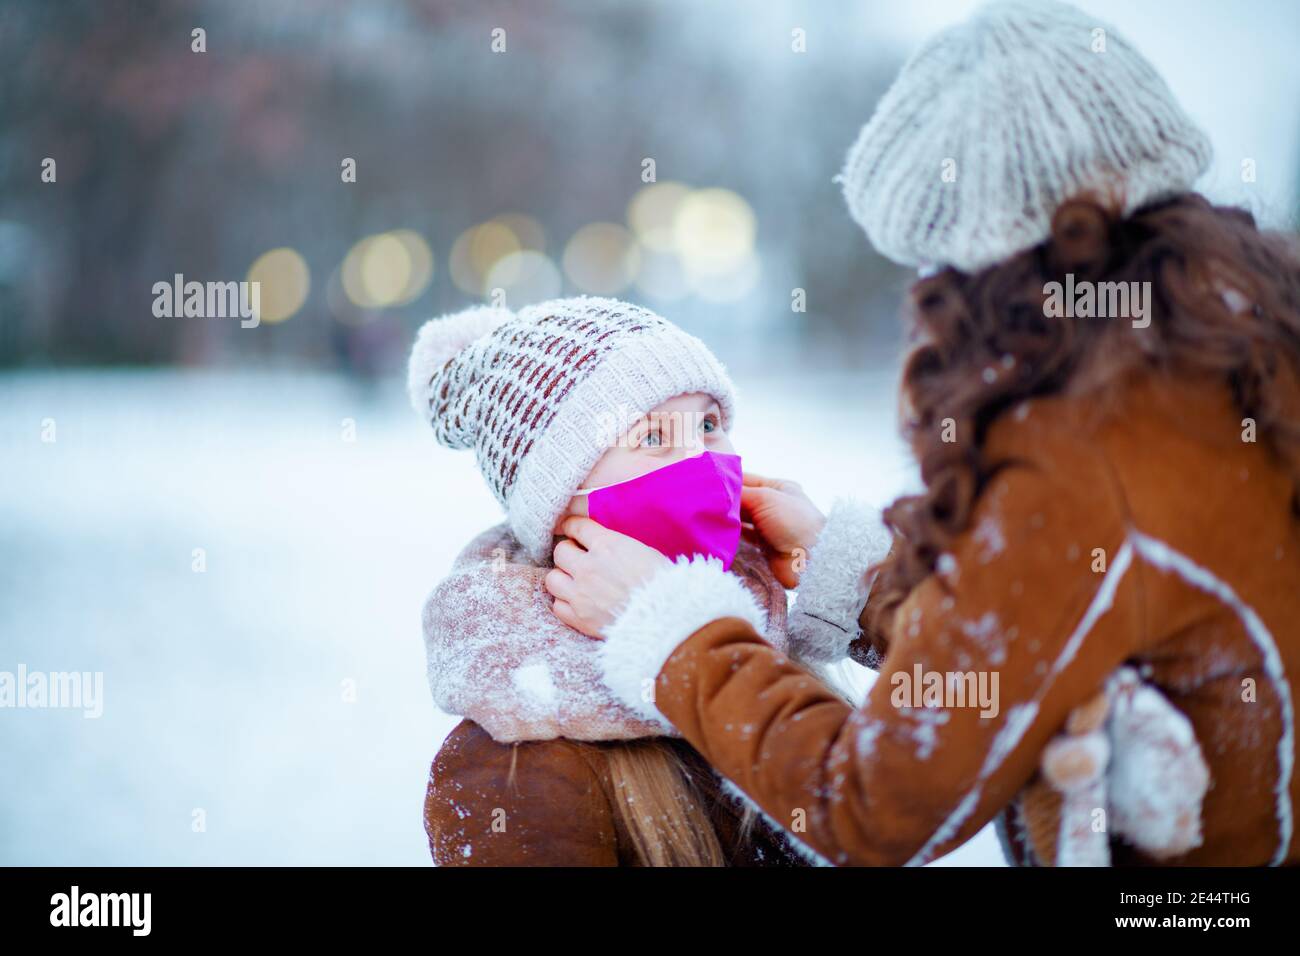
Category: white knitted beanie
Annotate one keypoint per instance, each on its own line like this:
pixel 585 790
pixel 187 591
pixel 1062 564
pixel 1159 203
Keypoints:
pixel 540 395
pixel 997 121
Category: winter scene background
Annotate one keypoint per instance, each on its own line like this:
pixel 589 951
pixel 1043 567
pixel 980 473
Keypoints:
pixel 237 526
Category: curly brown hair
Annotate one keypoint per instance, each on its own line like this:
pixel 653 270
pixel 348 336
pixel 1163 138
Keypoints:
pixel 1224 304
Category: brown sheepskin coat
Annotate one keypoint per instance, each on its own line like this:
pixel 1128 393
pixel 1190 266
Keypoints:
pixel 1141 528
pixel 551 803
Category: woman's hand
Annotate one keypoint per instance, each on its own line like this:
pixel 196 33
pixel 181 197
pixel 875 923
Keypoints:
pixel 595 571
pixel 784 522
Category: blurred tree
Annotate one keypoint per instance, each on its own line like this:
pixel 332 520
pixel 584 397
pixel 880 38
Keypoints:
pixel 174 161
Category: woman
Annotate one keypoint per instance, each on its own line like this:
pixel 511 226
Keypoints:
pixel 1103 493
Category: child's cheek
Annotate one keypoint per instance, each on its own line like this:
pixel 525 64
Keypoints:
pixel 720 441
pixel 577 506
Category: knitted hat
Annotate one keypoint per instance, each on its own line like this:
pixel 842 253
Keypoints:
pixel 541 395
pixel 996 121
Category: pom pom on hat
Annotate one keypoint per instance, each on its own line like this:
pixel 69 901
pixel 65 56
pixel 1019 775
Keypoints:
pixel 441 340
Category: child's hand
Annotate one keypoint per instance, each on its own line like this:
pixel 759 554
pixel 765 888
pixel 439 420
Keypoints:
pixel 783 521
pixel 595 572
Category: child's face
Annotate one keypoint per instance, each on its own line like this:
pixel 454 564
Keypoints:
pixel 674 430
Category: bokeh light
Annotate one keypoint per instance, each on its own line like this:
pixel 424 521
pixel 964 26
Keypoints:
pixel 602 258
pixel 476 251
pixel 285 281
pixel 384 269
pixel 525 277
pixel 387 269
pixel 652 212
pixel 713 232
pixel 420 257
pixel 528 232
pixel 662 276
pixel 730 286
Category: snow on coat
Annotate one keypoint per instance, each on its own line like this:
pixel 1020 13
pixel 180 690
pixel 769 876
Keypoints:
pixel 523 780
pixel 499 656
pixel 1132 528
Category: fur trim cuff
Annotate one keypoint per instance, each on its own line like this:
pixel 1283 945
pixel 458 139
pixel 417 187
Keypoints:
pixel 833 588
pixel 666 610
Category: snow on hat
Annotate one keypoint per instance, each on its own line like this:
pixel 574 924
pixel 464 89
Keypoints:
pixel 540 395
pixel 1026 105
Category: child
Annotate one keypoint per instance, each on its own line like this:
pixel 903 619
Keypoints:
pixel 586 406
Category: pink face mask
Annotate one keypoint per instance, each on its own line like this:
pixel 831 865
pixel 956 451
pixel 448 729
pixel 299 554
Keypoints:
pixel 686 508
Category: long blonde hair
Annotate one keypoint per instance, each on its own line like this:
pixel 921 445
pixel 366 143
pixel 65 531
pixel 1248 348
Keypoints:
pixel 659 801
pixel 657 796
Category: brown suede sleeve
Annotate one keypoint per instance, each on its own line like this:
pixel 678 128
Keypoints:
pixel 891 782
pixel 529 804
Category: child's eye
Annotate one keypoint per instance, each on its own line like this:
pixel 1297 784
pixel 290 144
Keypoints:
pixel 652 440
pixel 710 424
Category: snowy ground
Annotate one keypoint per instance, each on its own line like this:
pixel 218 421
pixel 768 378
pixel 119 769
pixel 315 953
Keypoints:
pixel 279 695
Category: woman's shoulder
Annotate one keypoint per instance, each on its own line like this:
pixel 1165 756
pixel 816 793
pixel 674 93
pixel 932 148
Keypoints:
pixel 1156 439
pixel 1156 446
pixel 1093 421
